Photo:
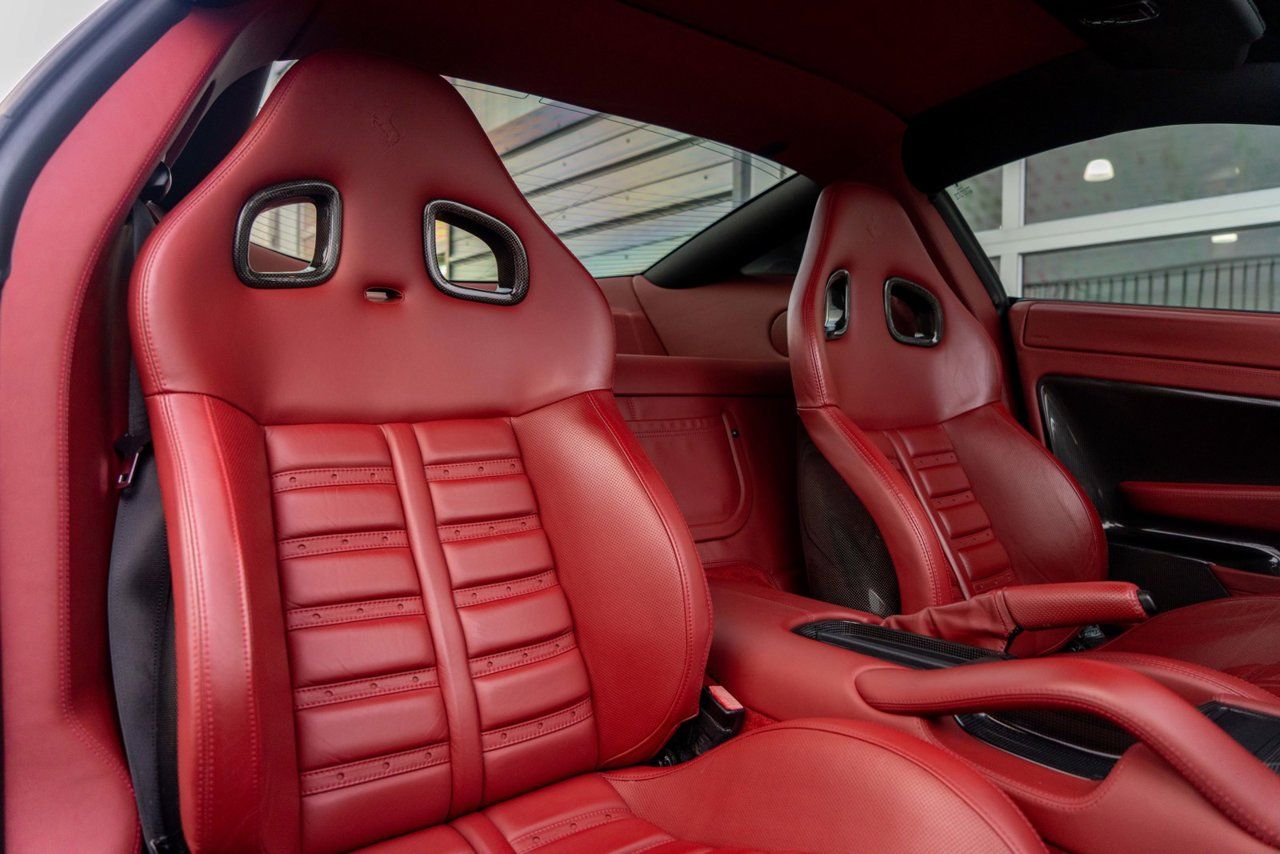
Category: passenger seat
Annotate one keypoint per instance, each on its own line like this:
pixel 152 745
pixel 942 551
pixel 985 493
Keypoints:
pixel 430 595
pixel 900 388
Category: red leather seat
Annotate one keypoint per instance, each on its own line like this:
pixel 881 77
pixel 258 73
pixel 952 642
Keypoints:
pixel 429 593
pixel 966 500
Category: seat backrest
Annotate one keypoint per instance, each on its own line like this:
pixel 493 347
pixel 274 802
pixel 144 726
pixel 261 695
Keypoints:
pixel 420 564
pixel 903 396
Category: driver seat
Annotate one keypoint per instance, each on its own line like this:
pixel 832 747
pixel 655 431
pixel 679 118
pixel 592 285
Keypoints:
pixel 430 595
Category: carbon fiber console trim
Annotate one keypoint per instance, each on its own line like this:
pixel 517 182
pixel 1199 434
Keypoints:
pixel 915 651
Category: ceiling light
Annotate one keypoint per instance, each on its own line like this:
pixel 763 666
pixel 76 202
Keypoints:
pixel 1225 237
pixel 1099 170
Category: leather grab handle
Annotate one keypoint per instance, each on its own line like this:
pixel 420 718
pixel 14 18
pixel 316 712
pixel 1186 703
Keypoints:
pixel 1226 774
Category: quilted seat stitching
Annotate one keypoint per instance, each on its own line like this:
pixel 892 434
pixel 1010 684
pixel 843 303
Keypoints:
pixel 373 612
pixel 427 679
pixel 394 538
pixel 569 713
pixel 436 754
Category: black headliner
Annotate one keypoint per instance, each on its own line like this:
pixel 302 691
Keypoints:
pixel 1076 98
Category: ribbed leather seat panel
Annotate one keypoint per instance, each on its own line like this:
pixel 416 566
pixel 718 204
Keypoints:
pixel 532 691
pixel 927 457
pixel 368 704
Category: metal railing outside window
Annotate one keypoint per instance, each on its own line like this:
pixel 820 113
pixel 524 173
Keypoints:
pixel 1247 284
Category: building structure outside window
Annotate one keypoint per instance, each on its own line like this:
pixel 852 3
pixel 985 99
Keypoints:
pixel 1185 215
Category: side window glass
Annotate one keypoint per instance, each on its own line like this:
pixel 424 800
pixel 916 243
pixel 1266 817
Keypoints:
pixel 621 194
pixel 1185 215
pixel 462 256
pixel 282 238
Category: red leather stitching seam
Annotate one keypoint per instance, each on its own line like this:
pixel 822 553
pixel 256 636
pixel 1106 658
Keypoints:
pixel 342 476
pixel 505 589
pixel 246 629
pixel 440 471
pixel 547 834
pixel 486 530
pixel 436 754
pixel 428 674
pixel 340 614
pixel 391 539
pixel 528 655
pixel 537 727
pixel 204 728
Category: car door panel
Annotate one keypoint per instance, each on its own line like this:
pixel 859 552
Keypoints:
pixel 1233 505
pixel 1168 418
pixel 1217 351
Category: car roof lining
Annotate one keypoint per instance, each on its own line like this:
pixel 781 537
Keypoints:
pixel 1089 99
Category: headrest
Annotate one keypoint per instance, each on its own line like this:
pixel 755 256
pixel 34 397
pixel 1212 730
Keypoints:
pixel 397 147
pixel 902 350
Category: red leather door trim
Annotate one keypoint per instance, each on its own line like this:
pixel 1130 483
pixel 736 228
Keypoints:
pixel 1225 351
pixel 733 474
pixel 1194 335
pixel 1240 505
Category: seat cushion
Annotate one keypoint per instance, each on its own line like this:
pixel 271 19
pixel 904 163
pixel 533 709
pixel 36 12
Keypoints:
pixel 1239 636
pixel 812 785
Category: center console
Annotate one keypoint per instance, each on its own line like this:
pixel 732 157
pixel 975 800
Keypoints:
pixel 1072 742
pixel 1103 752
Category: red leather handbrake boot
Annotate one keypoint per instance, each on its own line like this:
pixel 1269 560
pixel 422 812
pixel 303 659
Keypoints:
pixel 900 389
pixel 996 620
pixel 429 593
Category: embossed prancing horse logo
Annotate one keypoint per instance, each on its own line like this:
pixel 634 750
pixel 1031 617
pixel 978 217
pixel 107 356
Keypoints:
pixel 382 118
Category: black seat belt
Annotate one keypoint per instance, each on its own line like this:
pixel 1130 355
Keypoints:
pixel 140 620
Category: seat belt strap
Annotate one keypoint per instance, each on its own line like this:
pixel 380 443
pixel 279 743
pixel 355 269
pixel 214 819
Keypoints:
pixel 140 620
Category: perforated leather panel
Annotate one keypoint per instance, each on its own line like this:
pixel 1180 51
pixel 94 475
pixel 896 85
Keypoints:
pixel 362 555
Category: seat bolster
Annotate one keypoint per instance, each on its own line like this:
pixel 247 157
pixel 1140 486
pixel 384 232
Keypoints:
pixel 1239 636
pixel 604 507
pixel 236 762
pixel 1038 511
pixel 820 785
